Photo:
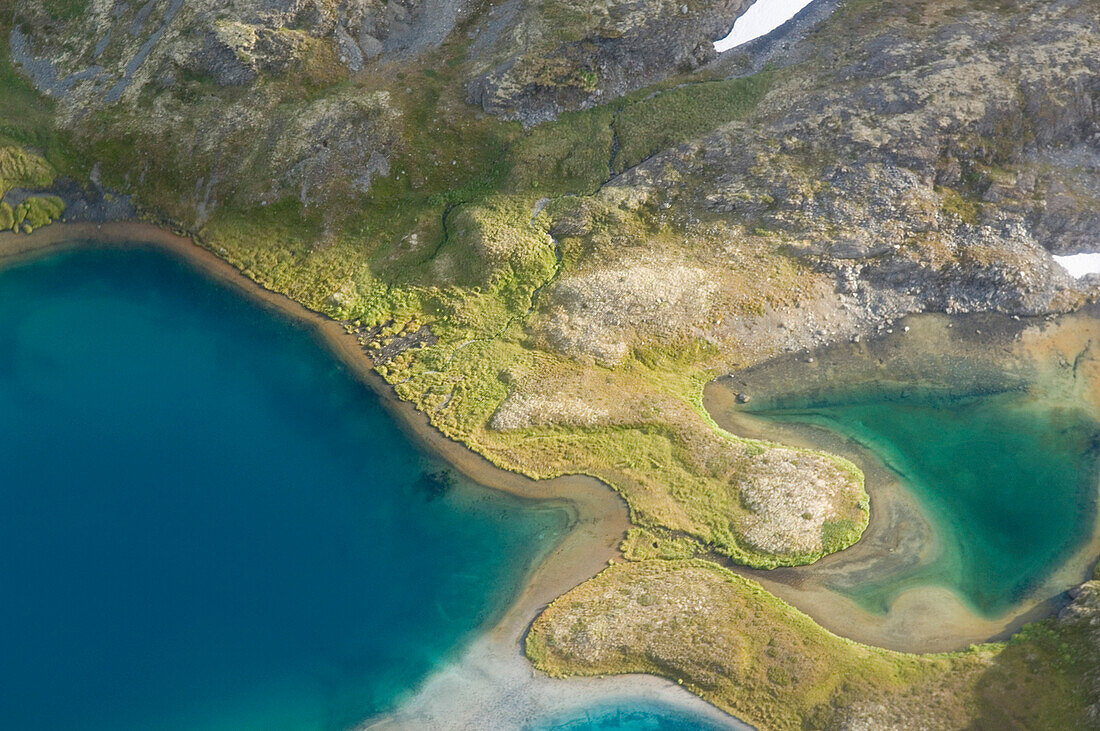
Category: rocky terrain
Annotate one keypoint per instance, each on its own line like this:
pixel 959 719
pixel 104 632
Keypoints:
pixel 532 61
pixel 551 222
pixel 1082 617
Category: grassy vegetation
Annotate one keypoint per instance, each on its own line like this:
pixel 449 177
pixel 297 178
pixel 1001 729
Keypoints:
pixel 567 156
pixel 35 212
pixel 576 155
pixel 677 471
pixel 21 169
pixel 66 9
pixel 725 638
pixel 26 118
pixel 684 113
pixel 960 207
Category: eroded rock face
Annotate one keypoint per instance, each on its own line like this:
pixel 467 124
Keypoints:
pixel 920 163
pixel 117 48
pixel 344 138
pixel 159 67
pixel 536 60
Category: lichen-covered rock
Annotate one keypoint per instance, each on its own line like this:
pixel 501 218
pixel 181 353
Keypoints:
pixel 234 54
pixel 603 312
pixel 795 499
pixel 115 49
pixel 338 139
pixel 918 163
pixel 535 60
pixel 1082 618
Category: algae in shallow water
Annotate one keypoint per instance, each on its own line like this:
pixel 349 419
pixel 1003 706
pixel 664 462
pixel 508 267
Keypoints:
pixel 1007 480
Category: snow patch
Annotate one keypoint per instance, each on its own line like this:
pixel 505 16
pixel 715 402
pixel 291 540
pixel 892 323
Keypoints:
pixel 762 18
pixel 1078 265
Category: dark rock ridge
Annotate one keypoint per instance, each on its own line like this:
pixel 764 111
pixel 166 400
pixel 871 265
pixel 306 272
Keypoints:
pixel 125 46
pixel 923 166
pixel 538 64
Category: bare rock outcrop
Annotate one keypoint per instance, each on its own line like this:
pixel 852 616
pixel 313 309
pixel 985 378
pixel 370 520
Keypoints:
pixel 533 61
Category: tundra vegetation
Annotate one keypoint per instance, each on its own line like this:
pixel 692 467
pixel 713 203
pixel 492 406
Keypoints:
pixel 550 223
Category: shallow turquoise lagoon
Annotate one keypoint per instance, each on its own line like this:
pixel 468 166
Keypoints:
pixel 1008 482
pixel 206 523
pixel 633 715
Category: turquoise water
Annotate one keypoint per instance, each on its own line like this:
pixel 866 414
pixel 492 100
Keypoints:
pixel 206 523
pixel 1008 482
pixel 632 715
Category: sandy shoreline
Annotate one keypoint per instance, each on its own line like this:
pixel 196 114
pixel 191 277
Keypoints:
pixel 490 684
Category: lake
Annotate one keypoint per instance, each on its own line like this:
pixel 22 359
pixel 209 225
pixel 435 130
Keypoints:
pixel 1007 481
pixel 206 522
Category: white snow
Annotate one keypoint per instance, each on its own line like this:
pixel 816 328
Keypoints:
pixel 762 18
pixel 1079 265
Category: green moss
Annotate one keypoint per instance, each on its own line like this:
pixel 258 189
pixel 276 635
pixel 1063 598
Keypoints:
pixel 34 212
pixel 41 210
pixel 959 207
pixel 642 544
pixel 671 117
pixel 66 9
pixel 569 155
pixel 495 245
pixel 567 21
pixel 21 169
pixel 836 535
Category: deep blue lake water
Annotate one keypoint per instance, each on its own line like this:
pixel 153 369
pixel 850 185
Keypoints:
pixel 1009 483
pixel 206 523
